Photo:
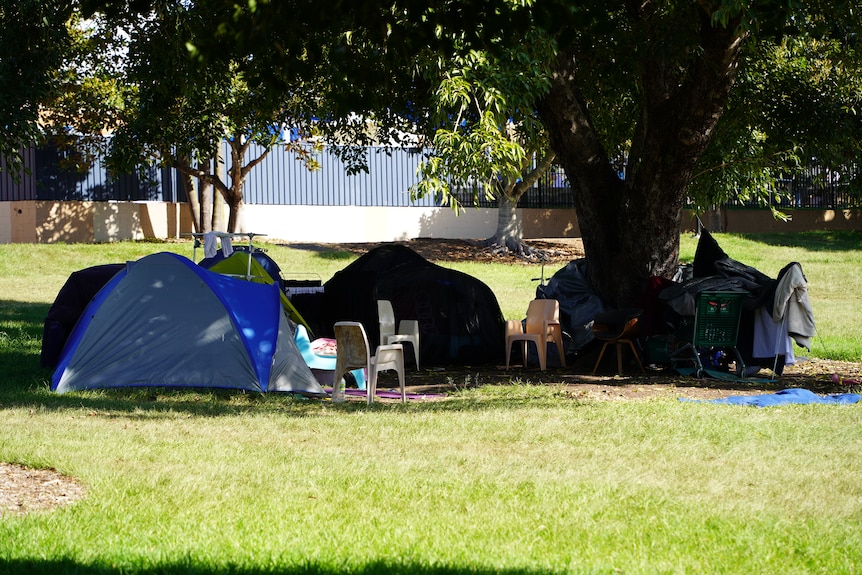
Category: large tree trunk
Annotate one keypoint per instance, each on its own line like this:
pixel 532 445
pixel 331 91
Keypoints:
pixel 631 228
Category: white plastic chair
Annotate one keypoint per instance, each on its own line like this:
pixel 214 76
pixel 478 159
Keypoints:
pixel 353 352
pixel 543 326
pixel 408 329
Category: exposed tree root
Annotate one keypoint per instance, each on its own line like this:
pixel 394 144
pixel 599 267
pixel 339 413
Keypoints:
pixel 516 247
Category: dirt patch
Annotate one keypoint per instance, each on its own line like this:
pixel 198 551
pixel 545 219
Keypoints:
pixel 23 489
pixel 815 375
pixel 553 251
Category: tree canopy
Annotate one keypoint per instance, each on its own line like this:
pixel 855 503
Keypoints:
pixel 33 46
pixel 701 100
pixel 487 137
pixel 696 100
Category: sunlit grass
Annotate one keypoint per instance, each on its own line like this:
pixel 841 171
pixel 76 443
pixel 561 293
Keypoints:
pixel 518 479
pixel 497 480
pixel 832 263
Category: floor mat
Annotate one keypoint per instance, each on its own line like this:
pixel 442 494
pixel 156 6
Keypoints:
pixel 783 397
pixel 723 375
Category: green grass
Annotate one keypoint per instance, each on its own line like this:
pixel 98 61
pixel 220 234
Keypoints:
pixel 516 479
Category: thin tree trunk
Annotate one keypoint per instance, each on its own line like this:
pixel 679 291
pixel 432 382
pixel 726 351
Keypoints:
pixel 509 232
pixel 194 202
pixel 219 199
pixel 509 235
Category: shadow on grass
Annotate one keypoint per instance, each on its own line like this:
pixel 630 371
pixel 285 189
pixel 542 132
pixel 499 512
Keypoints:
pixel 837 241
pixel 59 567
pixel 26 385
pixel 323 252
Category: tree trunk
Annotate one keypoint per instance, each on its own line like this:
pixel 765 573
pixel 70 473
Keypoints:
pixel 234 222
pixel 218 200
pixel 509 232
pixel 207 199
pixel 631 228
pixel 193 201
pixel 509 236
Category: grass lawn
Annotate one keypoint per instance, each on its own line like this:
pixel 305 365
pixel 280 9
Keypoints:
pixel 513 479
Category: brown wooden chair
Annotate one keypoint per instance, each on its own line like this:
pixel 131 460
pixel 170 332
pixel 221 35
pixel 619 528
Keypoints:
pixel 618 328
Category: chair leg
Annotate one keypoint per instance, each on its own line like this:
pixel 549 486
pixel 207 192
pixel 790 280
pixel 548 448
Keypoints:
pixel 619 358
pixel 601 354
pixel 371 385
pixel 558 341
pixel 637 356
pixel 542 350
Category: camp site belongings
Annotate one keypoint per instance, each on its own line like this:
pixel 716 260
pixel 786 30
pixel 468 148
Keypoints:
pixel 775 312
pixel 165 321
pixel 579 303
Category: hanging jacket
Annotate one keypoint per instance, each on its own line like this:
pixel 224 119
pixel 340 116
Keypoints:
pixel 793 305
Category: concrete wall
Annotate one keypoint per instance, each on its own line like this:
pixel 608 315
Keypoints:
pixel 86 222
pixel 759 221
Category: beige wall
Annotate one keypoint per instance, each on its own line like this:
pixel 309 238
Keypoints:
pixel 84 222
pixel 753 221
pixel 68 222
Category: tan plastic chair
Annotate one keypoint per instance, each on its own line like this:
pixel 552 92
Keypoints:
pixel 408 329
pixel 353 352
pixel 543 326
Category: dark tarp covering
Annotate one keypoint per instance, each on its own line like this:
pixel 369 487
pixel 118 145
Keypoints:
pixel 460 322
pixel 714 270
pixel 70 303
pixel 579 304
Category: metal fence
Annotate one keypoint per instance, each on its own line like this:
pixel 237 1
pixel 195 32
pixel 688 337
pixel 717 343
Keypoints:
pixel 280 179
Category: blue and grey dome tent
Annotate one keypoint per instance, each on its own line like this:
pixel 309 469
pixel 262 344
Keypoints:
pixel 165 321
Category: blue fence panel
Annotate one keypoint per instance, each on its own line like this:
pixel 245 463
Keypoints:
pixel 390 172
pixel 283 179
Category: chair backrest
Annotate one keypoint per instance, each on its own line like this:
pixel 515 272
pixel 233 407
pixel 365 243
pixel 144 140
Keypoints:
pixel 390 357
pixel 540 311
pixel 386 318
pixel 513 327
pixel 352 344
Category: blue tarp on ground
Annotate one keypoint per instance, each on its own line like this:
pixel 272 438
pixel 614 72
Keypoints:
pixel 783 397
